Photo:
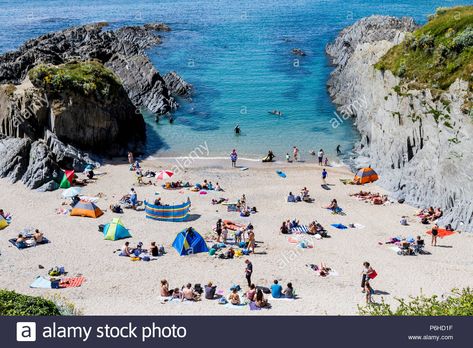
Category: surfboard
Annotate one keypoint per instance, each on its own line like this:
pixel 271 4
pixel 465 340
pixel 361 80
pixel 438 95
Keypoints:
pixel 281 174
pixel 244 168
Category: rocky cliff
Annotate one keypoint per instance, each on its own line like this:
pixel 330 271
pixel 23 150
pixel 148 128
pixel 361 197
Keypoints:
pixel 418 139
pixel 80 89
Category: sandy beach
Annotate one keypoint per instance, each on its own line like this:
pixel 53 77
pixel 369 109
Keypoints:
pixel 116 285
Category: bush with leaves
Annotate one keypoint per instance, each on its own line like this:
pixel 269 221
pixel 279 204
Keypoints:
pixel 12 303
pixel 458 303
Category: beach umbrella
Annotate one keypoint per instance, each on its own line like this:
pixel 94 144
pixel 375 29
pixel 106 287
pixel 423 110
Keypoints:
pixel 67 179
pixel 71 192
pixel 164 174
pixel 365 175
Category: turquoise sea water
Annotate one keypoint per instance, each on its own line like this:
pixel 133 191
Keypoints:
pixel 238 57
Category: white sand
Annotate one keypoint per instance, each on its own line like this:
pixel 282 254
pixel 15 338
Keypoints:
pixel 116 285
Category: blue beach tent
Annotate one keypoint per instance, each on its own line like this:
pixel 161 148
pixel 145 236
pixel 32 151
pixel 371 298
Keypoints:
pixel 189 241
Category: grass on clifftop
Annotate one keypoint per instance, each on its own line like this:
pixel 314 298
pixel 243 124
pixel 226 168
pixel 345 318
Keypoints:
pixel 438 53
pixel 86 78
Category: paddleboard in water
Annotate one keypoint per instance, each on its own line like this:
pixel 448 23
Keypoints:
pixel 244 168
pixel 281 174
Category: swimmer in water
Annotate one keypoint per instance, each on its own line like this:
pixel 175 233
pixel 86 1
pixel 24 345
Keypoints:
pixel 237 129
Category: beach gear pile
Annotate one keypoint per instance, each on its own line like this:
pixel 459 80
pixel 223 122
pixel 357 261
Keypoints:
pixel 57 279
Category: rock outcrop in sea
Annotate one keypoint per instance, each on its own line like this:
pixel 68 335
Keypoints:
pixel 52 120
pixel 419 141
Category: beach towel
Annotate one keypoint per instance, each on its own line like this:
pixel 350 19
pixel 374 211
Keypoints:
pixel 282 298
pixel 300 229
pixel 442 233
pixel 339 226
pixel 41 283
pixel 358 226
pixel 254 307
pixel 396 249
pixel 72 282
pixel 27 245
pixel 280 173
pixel 232 306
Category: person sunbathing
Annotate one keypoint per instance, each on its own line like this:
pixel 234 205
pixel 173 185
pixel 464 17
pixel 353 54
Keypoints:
pixel 165 292
pixel 437 214
pixel 289 291
pixel 38 236
pixel 20 239
pixel 210 290
pixel 251 293
pixel 153 249
pixel 260 301
pixel 176 293
pixel 284 228
pixel 322 269
pixel 205 185
pixel 312 228
pixel 126 250
pixel 189 294
pixel 333 205
pixel 234 298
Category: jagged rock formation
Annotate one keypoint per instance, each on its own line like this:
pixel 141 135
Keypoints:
pixel 122 50
pixel 419 141
pixel 42 130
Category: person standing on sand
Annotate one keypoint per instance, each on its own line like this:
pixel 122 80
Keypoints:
pixel 295 152
pixel 248 271
pixel 324 176
pixel 435 232
pixel 133 199
pixel 365 275
pixel 130 157
pixel 234 157
pixel 321 156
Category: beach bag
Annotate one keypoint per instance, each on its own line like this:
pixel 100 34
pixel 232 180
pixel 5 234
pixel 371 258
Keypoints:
pixel 235 287
pixel 242 244
pixel 222 300
pixel 212 251
pixel 145 258
pixel 373 275
pixel 264 289
pixel 54 272
pixel 54 284
pixel 245 252
pixel 101 227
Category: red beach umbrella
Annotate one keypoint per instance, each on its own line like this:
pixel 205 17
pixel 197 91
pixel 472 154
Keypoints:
pixel 164 174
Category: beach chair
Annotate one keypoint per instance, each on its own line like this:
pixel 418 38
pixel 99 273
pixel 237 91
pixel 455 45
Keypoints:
pixel 419 247
pixel 405 249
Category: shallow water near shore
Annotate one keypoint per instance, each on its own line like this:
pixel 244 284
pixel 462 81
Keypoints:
pixel 238 57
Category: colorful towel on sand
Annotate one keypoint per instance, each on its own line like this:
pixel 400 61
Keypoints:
pixel 300 229
pixel 73 282
pixel 232 306
pixel 339 226
pixel 41 283
pixel 27 245
pixel 254 307
pixel 443 233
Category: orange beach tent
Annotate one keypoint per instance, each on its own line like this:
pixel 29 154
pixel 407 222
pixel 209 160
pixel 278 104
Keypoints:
pixel 86 209
pixel 365 175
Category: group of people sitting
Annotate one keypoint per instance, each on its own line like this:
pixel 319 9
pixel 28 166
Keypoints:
pixel 244 208
pixel 186 292
pixel 244 235
pixel 430 215
pixel 374 198
pixel 408 246
pixel 176 185
pixel 303 197
pixel 22 241
pixel 207 185
pixel 143 254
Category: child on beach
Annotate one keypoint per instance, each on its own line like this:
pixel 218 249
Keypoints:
pixel 234 157
pixel 324 175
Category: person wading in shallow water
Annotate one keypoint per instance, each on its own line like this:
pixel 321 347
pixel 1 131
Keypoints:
pixel 237 129
pixel 339 152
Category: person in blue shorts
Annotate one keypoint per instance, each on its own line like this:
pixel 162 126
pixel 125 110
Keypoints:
pixel 276 290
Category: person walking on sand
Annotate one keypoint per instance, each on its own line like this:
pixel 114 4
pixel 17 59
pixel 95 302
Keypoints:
pixel 248 271
pixel 234 157
pixel 130 157
pixel 324 176
pixel 321 156
pixel 295 153
pixel 366 274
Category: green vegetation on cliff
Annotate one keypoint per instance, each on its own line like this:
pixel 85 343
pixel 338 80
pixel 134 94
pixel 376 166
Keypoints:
pixel 12 303
pixel 438 53
pixel 86 78
pixel 459 303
